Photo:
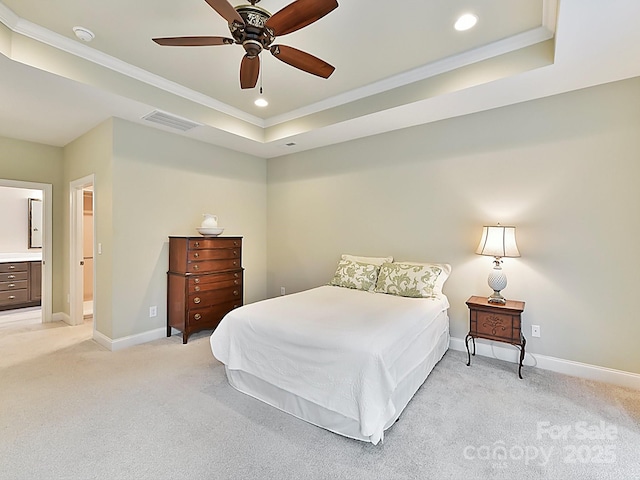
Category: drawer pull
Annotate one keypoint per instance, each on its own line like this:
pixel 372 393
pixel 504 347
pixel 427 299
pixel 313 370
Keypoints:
pixel 11 285
pixel 236 274
pixel 235 243
pixel 196 267
pixel 196 255
pixel 197 289
pixel 236 306
pixel 12 267
pixel 197 244
pixel 197 300
pixel 197 316
pixel 236 282
pixel 235 264
pixel 196 280
pixel 235 253
pixel 236 293
pixel 11 277
pixel 11 297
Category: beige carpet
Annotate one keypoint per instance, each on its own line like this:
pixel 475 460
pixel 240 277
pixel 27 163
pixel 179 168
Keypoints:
pixel 25 338
pixel 69 409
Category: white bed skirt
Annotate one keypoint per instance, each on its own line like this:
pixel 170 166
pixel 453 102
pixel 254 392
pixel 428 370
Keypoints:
pixel 336 422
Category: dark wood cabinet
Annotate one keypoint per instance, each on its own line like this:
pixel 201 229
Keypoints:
pixel 204 282
pixel 20 284
pixel 497 322
pixel 35 281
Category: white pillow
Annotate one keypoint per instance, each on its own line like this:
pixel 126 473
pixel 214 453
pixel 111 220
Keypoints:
pixel 361 276
pixel 446 271
pixel 410 279
pixel 377 261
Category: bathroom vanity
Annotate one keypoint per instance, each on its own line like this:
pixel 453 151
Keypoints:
pixel 20 281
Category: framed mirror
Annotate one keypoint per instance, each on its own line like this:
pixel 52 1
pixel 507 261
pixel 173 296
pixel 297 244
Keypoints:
pixel 35 223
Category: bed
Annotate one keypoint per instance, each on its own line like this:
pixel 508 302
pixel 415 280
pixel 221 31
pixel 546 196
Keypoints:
pixel 345 359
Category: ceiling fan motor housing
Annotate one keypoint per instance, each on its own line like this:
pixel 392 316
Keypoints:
pixel 253 35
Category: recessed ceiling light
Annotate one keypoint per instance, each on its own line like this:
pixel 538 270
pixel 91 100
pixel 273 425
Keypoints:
pixel 84 34
pixel 261 102
pixel 465 22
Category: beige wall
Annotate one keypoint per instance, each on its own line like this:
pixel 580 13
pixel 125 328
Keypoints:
pixel 151 184
pixel 91 154
pixel 162 184
pixel 33 162
pixel 564 170
pixel 148 185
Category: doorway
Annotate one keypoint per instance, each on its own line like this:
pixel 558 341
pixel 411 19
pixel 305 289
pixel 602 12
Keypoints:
pixel 82 241
pixel 87 252
pixel 44 235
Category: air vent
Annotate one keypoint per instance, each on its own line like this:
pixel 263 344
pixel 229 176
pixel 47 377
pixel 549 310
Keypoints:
pixel 171 121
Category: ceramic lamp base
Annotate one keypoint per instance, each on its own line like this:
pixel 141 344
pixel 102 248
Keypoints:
pixel 497 281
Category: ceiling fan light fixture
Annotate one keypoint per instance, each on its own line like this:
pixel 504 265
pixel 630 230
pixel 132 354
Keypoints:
pixel 252 47
pixel 465 22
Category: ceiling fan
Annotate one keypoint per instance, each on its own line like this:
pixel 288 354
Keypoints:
pixel 256 29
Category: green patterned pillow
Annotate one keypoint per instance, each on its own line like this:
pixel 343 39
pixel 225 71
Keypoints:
pixel 408 280
pixel 350 274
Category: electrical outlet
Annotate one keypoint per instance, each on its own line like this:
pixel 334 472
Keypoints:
pixel 153 311
pixel 282 291
pixel 535 330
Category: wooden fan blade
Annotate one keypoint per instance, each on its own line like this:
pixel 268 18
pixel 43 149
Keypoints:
pixel 226 11
pixel 299 14
pixel 193 41
pixel 302 60
pixel 249 71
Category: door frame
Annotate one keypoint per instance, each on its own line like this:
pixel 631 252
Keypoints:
pixel 76 258
pixel 47 240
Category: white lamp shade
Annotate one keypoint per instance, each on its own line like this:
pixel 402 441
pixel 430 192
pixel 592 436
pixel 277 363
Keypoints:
pixel 498 241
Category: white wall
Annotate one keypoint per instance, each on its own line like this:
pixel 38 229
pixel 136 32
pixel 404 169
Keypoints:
pixel 563 169
pixel 14 218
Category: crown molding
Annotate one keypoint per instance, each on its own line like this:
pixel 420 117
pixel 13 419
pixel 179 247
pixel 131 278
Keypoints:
pixel 545 32
pixel 7 16
pixel 516 42
pixel 36 32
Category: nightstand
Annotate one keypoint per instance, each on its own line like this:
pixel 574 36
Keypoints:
pixel 497 322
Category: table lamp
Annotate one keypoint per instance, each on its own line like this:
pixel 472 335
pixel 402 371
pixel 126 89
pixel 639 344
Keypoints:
pixel 498 241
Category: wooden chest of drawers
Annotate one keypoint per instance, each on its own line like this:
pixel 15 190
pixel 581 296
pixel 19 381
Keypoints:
pixel 20 284
pixel 205 282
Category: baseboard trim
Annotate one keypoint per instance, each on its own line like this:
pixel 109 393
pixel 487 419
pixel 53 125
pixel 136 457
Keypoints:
pixel 505 352
pixel 130 340
pixel 61 317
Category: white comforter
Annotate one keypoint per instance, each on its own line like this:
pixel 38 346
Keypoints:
pixel 339 348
